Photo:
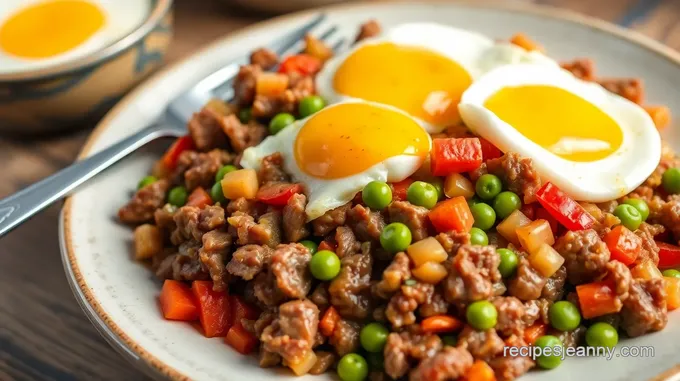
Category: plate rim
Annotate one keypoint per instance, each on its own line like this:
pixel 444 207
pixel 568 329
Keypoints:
pixel 88 303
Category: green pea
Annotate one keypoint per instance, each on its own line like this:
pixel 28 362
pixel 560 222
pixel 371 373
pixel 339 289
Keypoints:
pixel 373 337
pixel 217 194
pixel 310 245
pixel 450 340
pixel 325 265
pixel 395 237
pixel 478 237
pixel 178 196
pixel 481 315
pixel 488 186
pixel 310 105
pixel 505 203
pixel 484 215
pixel 376 361
pixel 438 184
pixel 629 216
pixel 422 194
pixel 671 273
pixel 671 180
pixel 551 360
pixel 377 195
pixel 474 201
pixel 279 122
pixel 564 315
pixel 223 171
pixel 602 334
pixel 508 263
pixel 640 205
pixel 245 114
pixel 148 180
pixel 352 367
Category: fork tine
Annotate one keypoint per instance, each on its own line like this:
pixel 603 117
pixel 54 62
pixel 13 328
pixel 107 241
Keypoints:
pixel 338 45
pixel 291 39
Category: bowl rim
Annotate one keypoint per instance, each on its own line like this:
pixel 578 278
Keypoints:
pixel 93 310
pixel 161 8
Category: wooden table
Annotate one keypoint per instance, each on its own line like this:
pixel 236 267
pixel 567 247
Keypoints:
pixel 43 333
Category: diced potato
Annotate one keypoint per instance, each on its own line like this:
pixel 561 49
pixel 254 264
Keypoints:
pixel 148 241
pixel 456 184
pixel 593 210
pixel 430 272
pixel 220 107
pixel 523 41
pixel 426 250
pixel 546 260
pixel 317 48
pixel 532 236
pixel 672 286
pixel 661 115
pixel 646 270
pixel 508 227
pixel 301 368
pixel 241 183
pixel 271 84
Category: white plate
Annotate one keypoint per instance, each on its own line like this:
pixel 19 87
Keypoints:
pixel 119 295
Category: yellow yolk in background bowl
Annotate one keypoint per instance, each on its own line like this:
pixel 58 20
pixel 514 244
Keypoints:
pixel 421 82
pixel 557 120
pixel 347 139
pixel 50 28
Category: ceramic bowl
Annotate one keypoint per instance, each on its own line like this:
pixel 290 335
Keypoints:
pixel 79 92
pixel 278 6
pixel 120 295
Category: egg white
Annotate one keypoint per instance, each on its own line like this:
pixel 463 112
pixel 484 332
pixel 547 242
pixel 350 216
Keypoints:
pixel 597 181
pixel 121 18
pixel 476 53
pixel 324 195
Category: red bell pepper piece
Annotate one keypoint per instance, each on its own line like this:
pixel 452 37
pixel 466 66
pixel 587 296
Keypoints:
pixel 623 244
pixel 455 155
pixel 199 198
pixel 452 214
pixel 567 211
pixel 329 321
pixel 300 63
pixel 177 301
pixel 669 256
pixel 489 151
pixel 243 341
pixel 213 308
pixel 400 189
pixel 277 194
pixel 597 299
pixel 542 214
pixel 180 145
pixel 241 310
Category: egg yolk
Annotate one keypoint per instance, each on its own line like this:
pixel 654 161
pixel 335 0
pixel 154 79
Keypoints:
pixel 50 28
pixel 558 120
pixel 421 82
pixel 347 139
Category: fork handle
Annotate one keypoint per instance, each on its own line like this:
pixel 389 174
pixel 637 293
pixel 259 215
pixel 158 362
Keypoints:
pixel 22 205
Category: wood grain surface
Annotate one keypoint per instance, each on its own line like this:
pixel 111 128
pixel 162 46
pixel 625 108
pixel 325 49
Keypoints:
pixel 43 333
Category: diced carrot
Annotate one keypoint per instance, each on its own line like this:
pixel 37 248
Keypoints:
pixel 240 310
pixel 400 189
pixel 180 145
pixel 452 214
pixel 213 308
pixel 523 41
pixel 661 115
pixel 672 286
pixel 597 299
pixel 243 341
pixel 623 244
pixel 480 371
pixel 329 321
pixel 199 198
pixel 440 324
pixel 533 332
pixel 271 84
pixel 177 301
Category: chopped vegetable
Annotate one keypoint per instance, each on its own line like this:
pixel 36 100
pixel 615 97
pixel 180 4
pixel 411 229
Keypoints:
pixel 223 171
pixel 302 367
pixel 440 324
pixel 534 235
pixel 671 180
pixel 310 245
pixel 430 272
pixel 529 210
pixel 509 226
pixel 326 245
pixel 177 302
pixel 481 315
pixel 325 265
pixel 453 155
pixel 178 196
pixel 426 250
pixel 277 194
pixel 452 214
pixel 646 270
pixel 597 299
pixel 180 145
pixel 243 341
pixel 548 359
pixel 488 186
pixel 317 48
pixel 480 371
pixel 376 195
pixel 640 205
pixel 240 183
pixel 352 367
pixel 216 193
pixel 508 263
pixel 489 151
pixel 542 214
pixel 546 260
pixel 669 255
pixel 279 122
pixel 567 211
pixel 395 237
pixel 564 316
pixel 309 105
pixel 672 286
pixel 533 332
pixel 630 217
pixel 400 189
pixel 240 310
pixel 602 334
pixel 484 215
pixel 505 203
pixel 456 185
pixel 329 321
pixel 199 198
pixel 220 107
pixel 148 241
pixel 623 244
pixel 478 237
pixel 373 337
pixel 661 115
pixel 147 180
pixel 422 194
pixel 526 43
pixel 301 63
pixel 271 84
pixel 213 308
pixel 671 273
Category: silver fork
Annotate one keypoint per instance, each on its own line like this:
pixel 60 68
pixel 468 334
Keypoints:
pixel 22 205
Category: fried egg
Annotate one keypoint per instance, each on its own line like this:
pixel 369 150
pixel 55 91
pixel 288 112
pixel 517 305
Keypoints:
pixel 37 34
pixel 337 151
pixel 420 68
pixel 591 143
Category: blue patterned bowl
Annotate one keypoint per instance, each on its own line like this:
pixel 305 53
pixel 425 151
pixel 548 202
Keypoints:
pixel 78 93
